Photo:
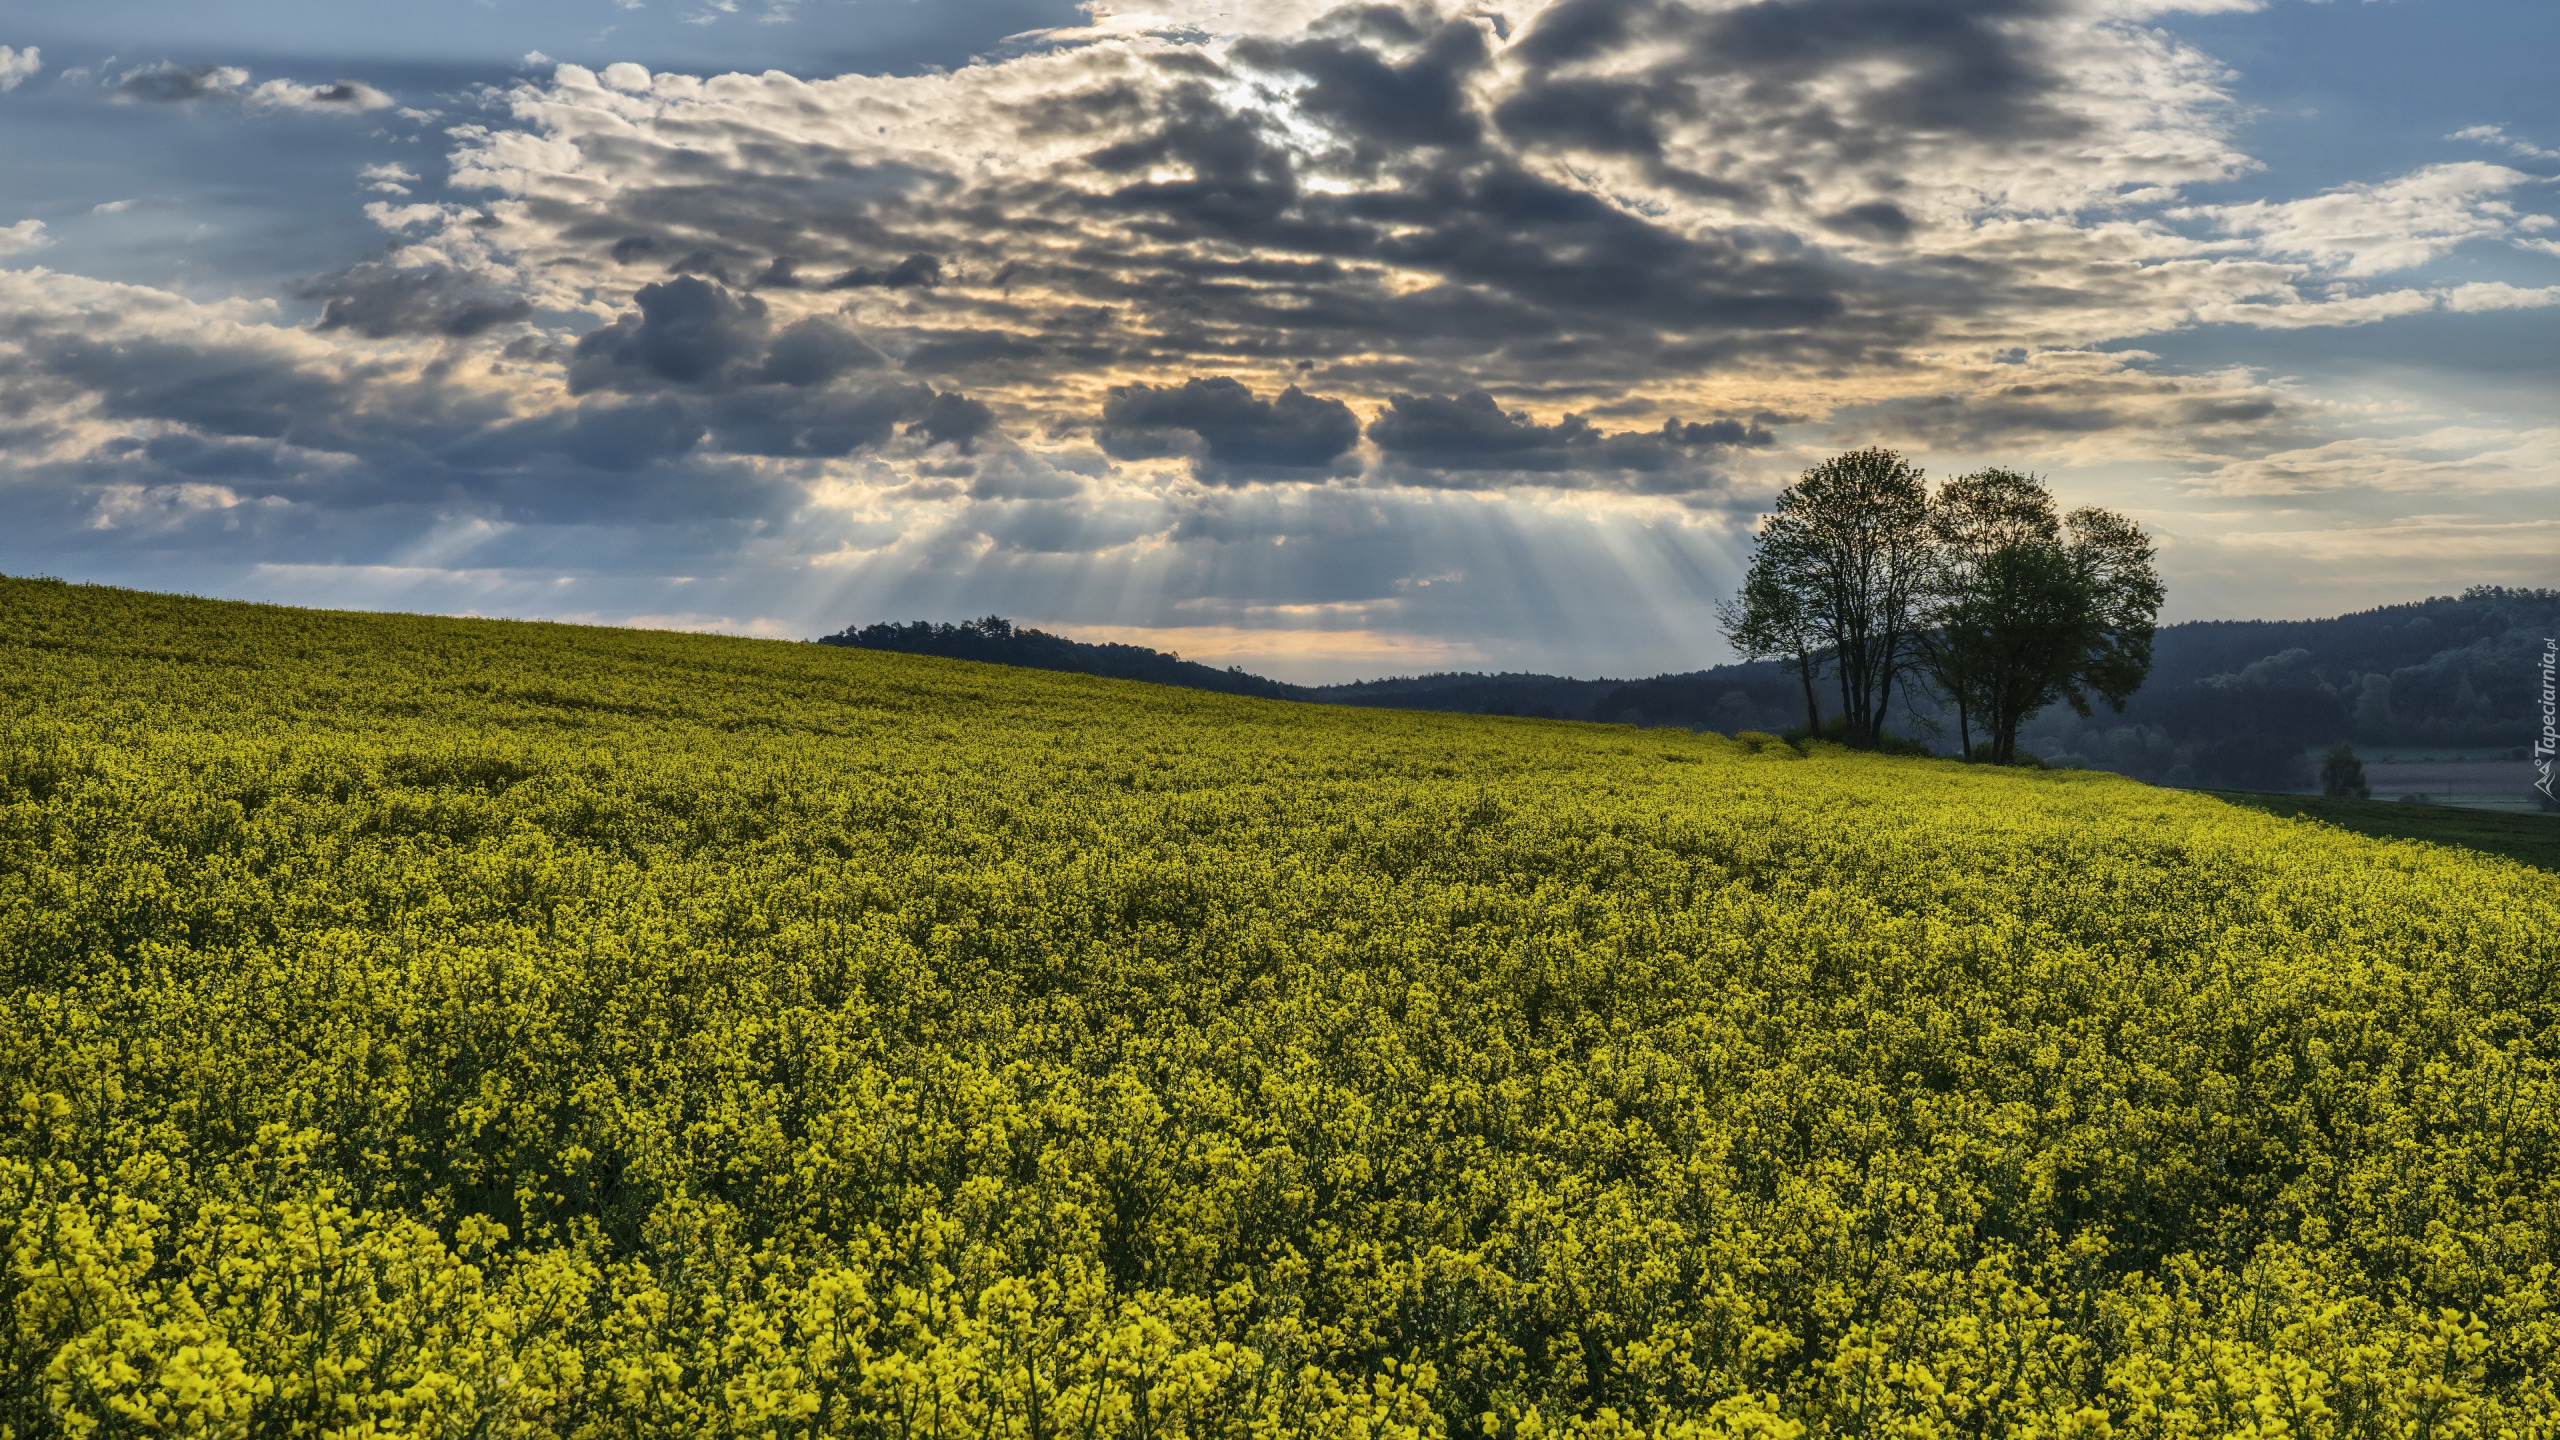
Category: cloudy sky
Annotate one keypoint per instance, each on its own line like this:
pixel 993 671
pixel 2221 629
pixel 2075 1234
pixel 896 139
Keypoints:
pixel 1331 340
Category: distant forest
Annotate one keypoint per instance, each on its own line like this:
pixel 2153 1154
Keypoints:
pixel 2235 703
pixel 999 641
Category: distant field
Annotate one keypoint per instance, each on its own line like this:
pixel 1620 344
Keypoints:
pixel 2504 782
pixel 453 1028
pixel 2531 839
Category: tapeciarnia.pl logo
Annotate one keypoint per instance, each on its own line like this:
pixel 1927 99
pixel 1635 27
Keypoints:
pixel 2543 748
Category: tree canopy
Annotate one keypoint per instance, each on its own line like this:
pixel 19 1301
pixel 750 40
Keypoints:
pixel 1983 591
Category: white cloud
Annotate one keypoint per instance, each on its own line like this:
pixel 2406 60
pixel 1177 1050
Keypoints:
pixel 24 236
pixel 2499 295
pixel 391 179
pixel 2294 313
pixel 2374 229
pixel 2464 460
pixel 168 84
pixel 16 65
pixel 2497 135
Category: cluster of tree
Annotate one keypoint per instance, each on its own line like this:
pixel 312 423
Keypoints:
pixel 1984 593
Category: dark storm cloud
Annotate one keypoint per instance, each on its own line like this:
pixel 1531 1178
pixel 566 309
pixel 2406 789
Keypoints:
pixel 667 397
pixel 219 391
pixel 1577 256
pixel 1467 436
pixel 688 331
pixel 1380 105
pixel 272 433
pixel 712 357
pixel 1529 274
pixel 917 270
pixel 1877 219
pixel 1465 257
pixel 745 205
pixel 1740 434
pixel 208 457
pixel 379 301
pixel 1967 67
pixel 815 351
pixel 1238 180
pixel 954 420
pixel 624 437
pixel 1228 432
pixel 271 425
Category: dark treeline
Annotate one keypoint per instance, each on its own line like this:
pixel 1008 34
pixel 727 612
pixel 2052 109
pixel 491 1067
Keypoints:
pixel 1536 697
pixel 2248 698
pixel 999 641
pixel 2239 703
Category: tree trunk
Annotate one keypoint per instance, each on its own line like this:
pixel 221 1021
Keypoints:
pixel 1812 709
pixel 1964 729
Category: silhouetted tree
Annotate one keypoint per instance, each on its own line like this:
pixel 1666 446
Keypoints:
pixel 1843 559
pixel 2342 774
pixel 1768 621
pixel 2026 608
pixel 1973 519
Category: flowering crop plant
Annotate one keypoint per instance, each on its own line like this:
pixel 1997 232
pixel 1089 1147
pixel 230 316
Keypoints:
pixel 458 1028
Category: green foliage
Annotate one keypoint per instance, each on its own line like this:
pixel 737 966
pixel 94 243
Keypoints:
pixel 450 1028
pixel 2342 774
pixel 1838 569
pixel 2028 607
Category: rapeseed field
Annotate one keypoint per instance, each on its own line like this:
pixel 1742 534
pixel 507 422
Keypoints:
pixel 445 1028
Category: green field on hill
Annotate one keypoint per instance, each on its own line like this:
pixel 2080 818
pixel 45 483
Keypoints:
pixel 2522 836
pixel 463 1028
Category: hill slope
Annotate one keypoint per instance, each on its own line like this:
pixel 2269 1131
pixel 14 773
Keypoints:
pixel 2240 703
pixel 494 1029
